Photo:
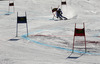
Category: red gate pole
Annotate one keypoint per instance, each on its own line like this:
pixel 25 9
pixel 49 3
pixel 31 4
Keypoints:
pixel 73 44
pixel 85 38
pixel 53 14
pixel 74 39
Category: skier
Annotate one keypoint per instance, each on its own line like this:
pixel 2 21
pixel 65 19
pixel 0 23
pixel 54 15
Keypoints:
pixel 59 14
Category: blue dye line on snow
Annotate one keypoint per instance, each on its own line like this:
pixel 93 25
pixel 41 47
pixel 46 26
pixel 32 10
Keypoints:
pixel 5 12
pixel 76 51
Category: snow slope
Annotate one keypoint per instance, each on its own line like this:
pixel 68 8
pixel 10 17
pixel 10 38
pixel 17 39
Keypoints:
pixel 55 36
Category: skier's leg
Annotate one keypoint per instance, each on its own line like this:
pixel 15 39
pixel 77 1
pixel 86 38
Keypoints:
pixel 64 17
pixel 59 17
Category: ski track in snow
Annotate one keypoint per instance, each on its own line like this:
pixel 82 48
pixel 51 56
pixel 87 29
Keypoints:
pixel 27 38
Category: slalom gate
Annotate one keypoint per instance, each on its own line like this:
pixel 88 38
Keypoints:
pixel 11 4
pixel 21 20
pixel 79 32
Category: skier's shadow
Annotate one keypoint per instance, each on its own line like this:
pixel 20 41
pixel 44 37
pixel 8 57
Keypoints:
pixel 71 56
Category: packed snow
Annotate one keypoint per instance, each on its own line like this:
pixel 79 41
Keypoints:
pixel 49 41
